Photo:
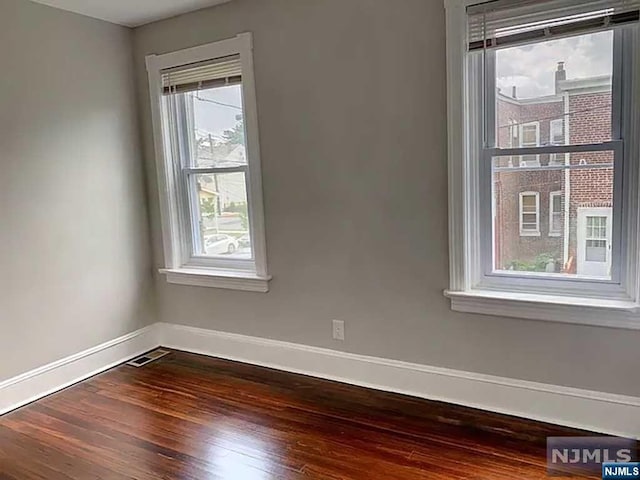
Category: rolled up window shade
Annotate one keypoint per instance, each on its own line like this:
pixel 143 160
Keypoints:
pixel 502 23
pixel 215 73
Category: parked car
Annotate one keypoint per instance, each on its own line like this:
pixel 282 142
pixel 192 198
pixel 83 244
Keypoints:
pixel 219 244
pixel 244 241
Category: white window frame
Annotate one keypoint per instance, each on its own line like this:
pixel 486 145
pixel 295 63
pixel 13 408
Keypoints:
pixel 552 124
pixel 181 266
pixel 552 195
pixel 615 304
pixel 536 162
pixel 521 213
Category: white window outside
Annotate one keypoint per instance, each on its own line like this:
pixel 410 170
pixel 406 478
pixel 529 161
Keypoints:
pixel 206 138
pixel 556 209
pixel 530 137
pixel 557 137
pixel 529 214
pixel 556 132
pixel 500 264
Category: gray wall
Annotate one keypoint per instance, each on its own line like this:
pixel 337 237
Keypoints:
pixel 75 268
pixel 351 99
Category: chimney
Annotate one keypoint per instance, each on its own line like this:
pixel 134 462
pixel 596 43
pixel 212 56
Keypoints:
pixel 514 92
pixel 561 74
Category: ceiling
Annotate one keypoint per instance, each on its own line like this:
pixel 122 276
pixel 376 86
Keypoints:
pixel 130 13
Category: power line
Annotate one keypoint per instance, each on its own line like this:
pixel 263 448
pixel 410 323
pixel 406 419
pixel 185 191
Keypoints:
pixel 221 104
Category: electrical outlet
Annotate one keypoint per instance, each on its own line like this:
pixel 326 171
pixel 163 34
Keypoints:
pixel 338 330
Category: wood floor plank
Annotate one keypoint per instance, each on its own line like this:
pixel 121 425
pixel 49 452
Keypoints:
pixel 191 417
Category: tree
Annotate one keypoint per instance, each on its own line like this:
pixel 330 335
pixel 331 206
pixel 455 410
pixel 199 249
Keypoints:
pixel 235 136
pixel 208 206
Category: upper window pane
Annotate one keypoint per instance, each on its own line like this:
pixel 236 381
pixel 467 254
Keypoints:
pixel 218 130
pixel 563 85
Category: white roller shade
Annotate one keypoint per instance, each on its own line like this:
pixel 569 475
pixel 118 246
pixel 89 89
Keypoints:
pixel 216 73
pixel 509 22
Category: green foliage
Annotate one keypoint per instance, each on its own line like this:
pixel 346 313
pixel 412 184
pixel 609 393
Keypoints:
pixel 235 136
pixel 539 264
pixel 208 206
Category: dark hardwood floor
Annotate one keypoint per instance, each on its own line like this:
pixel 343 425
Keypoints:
pixel 192 417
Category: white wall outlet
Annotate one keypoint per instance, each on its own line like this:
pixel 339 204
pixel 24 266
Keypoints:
pixel 338 330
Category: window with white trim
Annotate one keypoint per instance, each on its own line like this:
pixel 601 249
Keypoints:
pixel 556 132
pixel 530 137
pixel 555 214
pixel 557 137
pixel 206 132
pixel 530 214
pixel 567 73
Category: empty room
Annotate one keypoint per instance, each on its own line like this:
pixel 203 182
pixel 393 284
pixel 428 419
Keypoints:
pixel 319 239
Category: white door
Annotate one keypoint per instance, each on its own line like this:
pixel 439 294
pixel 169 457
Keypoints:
pixel 594 242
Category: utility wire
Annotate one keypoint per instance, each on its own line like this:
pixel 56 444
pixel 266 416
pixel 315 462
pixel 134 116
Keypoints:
pixel 221 104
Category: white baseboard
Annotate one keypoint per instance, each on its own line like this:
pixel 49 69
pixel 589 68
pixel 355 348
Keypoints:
pixel 594 411
pixel 30 386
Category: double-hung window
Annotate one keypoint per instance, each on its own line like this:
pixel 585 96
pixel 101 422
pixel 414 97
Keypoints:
pixel 571 70
pixel 555 214
pixel 530 214
pixel 557 137
pixel 530 136
pixel 206 138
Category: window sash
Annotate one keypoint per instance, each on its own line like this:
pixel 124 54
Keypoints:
pixel 193 209
pixel 532 281
pixel 189 200
pixel 487 111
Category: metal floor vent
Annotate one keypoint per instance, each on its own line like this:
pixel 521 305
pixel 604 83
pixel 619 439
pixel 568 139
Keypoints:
pixel 148 358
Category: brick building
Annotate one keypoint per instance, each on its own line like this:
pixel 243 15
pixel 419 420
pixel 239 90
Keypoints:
pixel 547 217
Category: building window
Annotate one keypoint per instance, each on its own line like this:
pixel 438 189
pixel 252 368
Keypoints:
pixel 530 137
pixel 206 132
pixel 529 214
pixel 557 137
pixel 578 132
pixel 556 132
pixel 555 214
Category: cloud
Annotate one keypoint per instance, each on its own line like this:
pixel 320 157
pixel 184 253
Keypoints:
pixel 530 68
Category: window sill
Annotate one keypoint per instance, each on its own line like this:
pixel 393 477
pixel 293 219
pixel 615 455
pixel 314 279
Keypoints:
pixel 553 308
pixel 230 280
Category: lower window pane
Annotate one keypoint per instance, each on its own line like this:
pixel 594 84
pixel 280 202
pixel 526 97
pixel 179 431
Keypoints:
pixel 223 216
pixel 567 232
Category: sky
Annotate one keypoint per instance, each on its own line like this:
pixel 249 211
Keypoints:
pixel 216 109
pixel 531 67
